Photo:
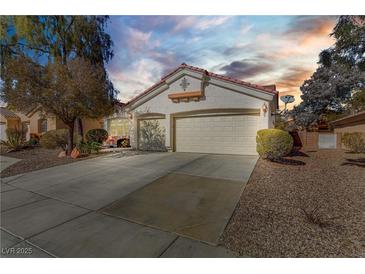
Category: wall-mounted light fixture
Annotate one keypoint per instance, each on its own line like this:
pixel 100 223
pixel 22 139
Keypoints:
pixel 264 108
pixel 130 115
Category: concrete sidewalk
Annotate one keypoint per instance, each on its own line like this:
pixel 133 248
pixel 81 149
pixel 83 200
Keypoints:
pixel 6 161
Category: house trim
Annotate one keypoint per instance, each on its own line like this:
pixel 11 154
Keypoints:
pixel 257 91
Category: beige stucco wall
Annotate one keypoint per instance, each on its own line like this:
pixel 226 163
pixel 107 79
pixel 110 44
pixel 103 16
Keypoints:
pixel 33 122
pixel 218 95
pixel 22 116
pixel 356 128
pixel 341 130
pixel 11 123
pixel 91 124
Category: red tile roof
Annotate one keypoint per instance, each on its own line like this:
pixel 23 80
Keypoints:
pixel 269 89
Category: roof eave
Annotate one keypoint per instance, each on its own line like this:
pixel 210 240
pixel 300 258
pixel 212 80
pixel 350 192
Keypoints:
pixel 183 66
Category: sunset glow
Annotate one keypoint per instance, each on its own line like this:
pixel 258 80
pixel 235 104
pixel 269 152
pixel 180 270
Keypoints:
pixel 281 50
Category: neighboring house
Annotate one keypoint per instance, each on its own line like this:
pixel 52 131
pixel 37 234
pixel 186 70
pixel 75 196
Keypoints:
pixel 10 119
pixel 39 123
pixel 193 110
pixel 351 123
pixel 328 136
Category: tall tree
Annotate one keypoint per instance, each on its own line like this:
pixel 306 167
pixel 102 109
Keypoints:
pixel 36 43
pixel 69 91
pixel 341 73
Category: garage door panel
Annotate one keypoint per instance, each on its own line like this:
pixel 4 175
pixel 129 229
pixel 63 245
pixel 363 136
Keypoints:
pixel 234 134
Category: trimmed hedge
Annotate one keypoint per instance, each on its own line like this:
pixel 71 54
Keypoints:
pixel 354 141
pixel 98 135
pixel 273 143
pixel 89 147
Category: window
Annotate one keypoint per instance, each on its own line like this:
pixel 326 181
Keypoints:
pixel 42 125
pixel 118 127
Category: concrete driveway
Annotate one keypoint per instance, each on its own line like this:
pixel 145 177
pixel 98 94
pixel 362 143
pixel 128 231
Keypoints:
pixel 111 206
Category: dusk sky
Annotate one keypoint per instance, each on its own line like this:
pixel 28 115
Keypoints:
pixel 281 50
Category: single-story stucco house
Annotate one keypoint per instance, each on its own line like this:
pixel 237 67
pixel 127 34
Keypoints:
pixel 193 110
pixel 37 122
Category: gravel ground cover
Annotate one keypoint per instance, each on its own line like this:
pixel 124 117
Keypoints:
pixel 316 209
pixel 37 158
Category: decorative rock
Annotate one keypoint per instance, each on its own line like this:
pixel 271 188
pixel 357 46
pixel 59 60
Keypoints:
pixel 62 154
pixel 75 153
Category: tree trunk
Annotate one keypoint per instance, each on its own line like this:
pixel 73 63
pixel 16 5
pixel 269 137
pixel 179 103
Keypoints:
pixel 70 141
pixel 80 128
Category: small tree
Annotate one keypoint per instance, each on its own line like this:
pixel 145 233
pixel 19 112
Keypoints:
pixel 69 91
pixel 44 49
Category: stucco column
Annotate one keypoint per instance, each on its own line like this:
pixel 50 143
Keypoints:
pixel 27 136
pixel 168 131
pixel 264 118
pixel 133 131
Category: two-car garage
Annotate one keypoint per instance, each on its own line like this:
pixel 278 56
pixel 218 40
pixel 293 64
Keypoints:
pixel 213 133
pixel 221 134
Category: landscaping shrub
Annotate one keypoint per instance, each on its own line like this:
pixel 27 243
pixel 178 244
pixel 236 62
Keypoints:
pixel 355 141
pixel 97 135
pixel 16 138
pixel 89 147
pixel 273 144
pixel 152 136
pixel 57 138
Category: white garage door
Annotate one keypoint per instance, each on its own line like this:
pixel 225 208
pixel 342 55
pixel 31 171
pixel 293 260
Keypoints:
pixel 234 134
pixel 326 140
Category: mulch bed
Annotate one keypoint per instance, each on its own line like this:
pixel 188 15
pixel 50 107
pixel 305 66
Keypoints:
pixel 37 158
pixel 311 210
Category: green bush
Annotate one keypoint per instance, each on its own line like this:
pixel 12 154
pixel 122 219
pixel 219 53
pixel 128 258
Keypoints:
pixel 57 138
pixel 15 138
pixel 97 135
pixel 89 147
pixel 273 144
pixel 355 141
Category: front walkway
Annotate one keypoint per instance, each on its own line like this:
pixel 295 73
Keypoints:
pixel 59 211
pixel 6 161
